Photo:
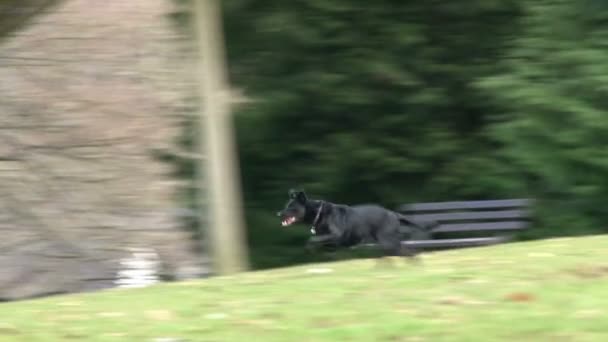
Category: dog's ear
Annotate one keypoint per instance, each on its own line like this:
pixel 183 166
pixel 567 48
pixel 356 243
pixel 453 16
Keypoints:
pixel 301 197
pixel 298 195
pixel 292 193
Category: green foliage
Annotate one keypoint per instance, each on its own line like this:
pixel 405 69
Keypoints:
pixel 404 101
pixel 365 101
pixel 360 101
pixel 554 127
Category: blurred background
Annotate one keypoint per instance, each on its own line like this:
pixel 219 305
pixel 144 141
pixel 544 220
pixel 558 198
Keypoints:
pixel 380 101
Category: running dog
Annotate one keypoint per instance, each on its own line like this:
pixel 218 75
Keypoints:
pixel 346 226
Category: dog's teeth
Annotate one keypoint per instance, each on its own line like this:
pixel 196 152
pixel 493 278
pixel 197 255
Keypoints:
pixel 288 221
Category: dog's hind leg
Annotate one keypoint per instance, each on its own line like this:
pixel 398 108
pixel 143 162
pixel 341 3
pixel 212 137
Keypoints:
pixel 408 251
pixel 391 246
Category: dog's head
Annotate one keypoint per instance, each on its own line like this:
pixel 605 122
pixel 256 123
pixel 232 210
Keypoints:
pixel 295 209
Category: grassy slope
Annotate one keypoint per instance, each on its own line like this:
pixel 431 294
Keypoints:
pixel 535 291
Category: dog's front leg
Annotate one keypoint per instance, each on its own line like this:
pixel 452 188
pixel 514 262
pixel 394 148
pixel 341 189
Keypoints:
pixel 320 239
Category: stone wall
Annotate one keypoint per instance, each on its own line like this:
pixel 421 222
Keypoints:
pixel 89 90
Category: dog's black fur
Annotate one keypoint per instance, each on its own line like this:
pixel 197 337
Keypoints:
pixel 347 226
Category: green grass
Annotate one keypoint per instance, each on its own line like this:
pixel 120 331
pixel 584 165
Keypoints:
pixel 554 290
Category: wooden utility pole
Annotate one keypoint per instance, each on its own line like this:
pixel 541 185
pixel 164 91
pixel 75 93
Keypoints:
pixel 222 179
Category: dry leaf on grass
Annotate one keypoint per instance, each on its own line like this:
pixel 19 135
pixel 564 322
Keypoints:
pixel 520 297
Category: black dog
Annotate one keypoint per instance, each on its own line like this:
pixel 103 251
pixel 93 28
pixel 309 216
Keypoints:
pixel 347 226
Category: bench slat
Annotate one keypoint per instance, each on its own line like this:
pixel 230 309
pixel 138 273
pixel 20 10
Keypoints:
pixel 486 216
pixel 484 226
pixel 510 203
pixel 472 215
pixel 468 242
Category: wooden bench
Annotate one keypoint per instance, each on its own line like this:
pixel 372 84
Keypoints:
pixel 467 223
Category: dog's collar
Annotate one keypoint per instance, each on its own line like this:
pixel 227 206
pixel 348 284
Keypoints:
pixel 313 229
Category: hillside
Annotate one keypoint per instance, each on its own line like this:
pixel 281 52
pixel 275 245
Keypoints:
pixel 534 291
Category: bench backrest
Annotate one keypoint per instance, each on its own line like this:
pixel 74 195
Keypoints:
pixel 466 216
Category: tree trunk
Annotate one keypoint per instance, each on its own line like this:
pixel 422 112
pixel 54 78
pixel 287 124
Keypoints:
pixel 226 230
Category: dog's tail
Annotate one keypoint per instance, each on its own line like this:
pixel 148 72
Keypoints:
pixel 426 225
pixel 419 229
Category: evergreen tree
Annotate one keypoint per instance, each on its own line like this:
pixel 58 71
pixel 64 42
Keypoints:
pixel 365 101
pixel 553 128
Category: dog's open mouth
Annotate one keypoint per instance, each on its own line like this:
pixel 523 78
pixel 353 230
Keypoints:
pixel 288 221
